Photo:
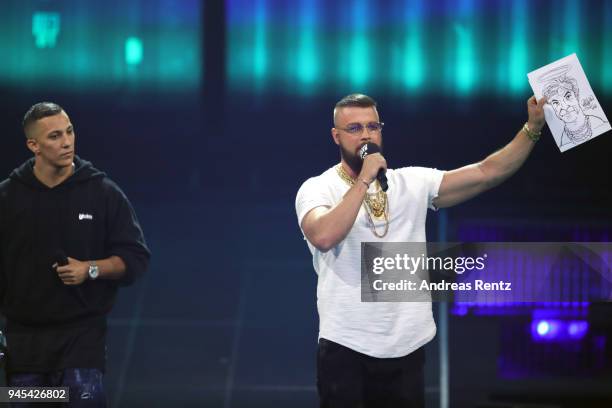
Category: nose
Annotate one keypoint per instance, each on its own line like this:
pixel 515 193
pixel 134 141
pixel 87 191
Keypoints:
pixel 66 140
pixel 365 135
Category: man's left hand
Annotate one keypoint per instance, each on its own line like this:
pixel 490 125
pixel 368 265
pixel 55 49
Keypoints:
pixel 75 273
pixel 535 110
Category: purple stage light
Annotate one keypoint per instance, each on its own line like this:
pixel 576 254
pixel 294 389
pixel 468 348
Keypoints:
pixel 460 309
pixel 555 330
pixel 577 329
pixel 543 328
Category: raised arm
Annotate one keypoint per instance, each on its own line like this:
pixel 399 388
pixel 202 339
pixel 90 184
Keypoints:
pixel 466 182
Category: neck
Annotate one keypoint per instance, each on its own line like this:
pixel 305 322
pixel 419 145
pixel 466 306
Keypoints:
pixel 51 176
pixel 353 173
pixel 577 124
pixel 581 133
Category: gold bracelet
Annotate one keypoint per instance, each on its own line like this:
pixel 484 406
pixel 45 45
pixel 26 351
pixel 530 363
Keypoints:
pixel 366 183
pixel 533 136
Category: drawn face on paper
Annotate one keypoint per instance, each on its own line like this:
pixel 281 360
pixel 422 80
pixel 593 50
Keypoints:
pixel 566 104
pixel 578 116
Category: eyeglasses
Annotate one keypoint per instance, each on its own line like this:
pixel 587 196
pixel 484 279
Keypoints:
pixel 358 127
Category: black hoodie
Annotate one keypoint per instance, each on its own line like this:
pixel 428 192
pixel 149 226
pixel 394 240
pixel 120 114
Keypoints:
pixel 86 217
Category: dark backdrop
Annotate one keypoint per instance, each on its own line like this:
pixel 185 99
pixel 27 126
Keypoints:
pixel 227 314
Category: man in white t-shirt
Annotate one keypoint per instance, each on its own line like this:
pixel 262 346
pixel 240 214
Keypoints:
pixel 370 353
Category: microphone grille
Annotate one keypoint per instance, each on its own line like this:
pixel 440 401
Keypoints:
pixel 368 148
pixel 363 152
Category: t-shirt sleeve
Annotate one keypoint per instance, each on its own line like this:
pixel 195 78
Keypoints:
pixel 309 196
pixel 434 180
pixel 430 179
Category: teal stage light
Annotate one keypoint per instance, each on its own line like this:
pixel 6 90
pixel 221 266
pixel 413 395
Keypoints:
pixel 307 62
pixel 411 47
pixel 45 28
pixel 133 51
pixel 606 57
pixel 76 45
pixel 412 69
pixel 359 57
pixel 306 47
pixel 518 51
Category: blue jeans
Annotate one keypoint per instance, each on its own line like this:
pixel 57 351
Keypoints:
pixel 84 384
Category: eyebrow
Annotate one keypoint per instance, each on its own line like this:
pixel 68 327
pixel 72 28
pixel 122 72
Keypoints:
pixel 59 131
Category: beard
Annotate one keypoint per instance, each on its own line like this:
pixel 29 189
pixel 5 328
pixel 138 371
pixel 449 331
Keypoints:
pixel 571 114
pixel 352 159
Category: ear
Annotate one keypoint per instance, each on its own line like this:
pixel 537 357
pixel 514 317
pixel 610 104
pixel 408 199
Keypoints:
pixel 335 135
pixel 33 146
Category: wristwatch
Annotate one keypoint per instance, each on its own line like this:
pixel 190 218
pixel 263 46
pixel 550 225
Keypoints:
pixel 93 271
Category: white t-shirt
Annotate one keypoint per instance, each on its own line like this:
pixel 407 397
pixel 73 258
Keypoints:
pixel 378 329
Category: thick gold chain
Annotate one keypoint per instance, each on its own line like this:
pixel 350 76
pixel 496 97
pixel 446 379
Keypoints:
pixel 376 204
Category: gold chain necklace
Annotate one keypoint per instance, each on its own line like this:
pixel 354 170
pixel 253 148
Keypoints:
pixel 375 204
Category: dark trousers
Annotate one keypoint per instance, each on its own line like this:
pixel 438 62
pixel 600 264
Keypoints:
pixel 84 385
pixel 346 378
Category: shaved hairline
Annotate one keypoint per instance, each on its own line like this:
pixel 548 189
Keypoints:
pixel 337 111
pixel 28 127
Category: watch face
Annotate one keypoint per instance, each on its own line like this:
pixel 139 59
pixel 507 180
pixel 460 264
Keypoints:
pixel 93 271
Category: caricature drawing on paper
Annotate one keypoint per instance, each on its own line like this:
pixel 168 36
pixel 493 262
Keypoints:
pixel 564 96
pixel 577 117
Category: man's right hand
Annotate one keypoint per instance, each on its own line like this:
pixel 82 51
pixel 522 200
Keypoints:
pixel 371 165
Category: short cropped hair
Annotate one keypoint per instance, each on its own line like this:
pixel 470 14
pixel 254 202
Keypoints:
pixel 39 111
pixel 356 99
pixel 569 83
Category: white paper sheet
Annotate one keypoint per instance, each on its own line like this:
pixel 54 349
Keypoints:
pixel 572 112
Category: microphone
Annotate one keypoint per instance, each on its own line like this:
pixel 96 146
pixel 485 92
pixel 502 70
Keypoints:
pixel 371 148
pixel 60 258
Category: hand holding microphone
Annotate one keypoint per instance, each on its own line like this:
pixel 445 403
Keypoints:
pixel 60 259
pixel 71 271
pixel 374 165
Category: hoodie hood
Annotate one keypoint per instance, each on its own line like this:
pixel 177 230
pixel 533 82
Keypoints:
pixel 83 170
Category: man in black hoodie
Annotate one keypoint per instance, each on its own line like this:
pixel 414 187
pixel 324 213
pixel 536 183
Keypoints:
pixel 68 239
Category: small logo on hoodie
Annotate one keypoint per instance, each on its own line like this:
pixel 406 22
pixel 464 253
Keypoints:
pixel 85 217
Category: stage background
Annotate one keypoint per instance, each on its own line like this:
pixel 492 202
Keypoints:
pixel 211 114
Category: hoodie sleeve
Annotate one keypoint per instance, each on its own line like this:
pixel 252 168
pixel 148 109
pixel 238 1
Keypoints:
pixel 124 235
